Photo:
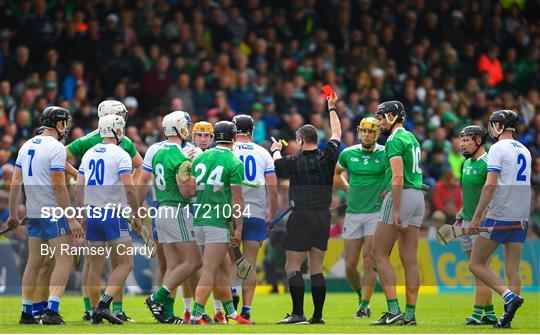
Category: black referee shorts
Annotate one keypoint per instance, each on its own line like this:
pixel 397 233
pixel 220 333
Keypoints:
pixel 307 229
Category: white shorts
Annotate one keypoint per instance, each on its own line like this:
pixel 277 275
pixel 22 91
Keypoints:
pixel 359 225
pixel 466 241
pixel 411 210
pixel 210 234
pixel 175 229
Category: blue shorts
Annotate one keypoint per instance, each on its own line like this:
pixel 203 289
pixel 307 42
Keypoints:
pixel 502 237
pixel 108 226
pixel 47 229
pixel 254 229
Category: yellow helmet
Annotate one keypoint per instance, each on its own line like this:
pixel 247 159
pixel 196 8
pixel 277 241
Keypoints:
pixel 369 123
pixel 203 127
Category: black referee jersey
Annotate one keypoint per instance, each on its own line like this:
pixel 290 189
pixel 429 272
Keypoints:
pixel 311 176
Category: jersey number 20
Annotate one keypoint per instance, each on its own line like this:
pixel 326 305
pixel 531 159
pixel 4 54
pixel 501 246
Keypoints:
pixel 97 172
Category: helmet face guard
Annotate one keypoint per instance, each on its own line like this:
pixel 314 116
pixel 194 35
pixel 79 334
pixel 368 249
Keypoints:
pixel 368 131
pixel 396 109
pixel 474 132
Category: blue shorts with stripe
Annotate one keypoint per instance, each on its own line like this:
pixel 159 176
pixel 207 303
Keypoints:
pixel 47 228
pixel 106 226
pixel 502 237
pixel 254 229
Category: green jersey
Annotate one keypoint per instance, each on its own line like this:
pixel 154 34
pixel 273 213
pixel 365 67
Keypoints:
pixel 473 178
pixel 215 170
pixel 402 143
pixel 165 164
pixel 366 178
pixel 81 145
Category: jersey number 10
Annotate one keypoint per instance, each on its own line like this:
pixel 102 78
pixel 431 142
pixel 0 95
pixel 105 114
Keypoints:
pixel 416 160
pixel 250 167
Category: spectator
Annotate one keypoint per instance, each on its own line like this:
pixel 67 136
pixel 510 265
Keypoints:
pixel 157 81
pixel 489 64
pixel 181 90
pixel 447 189
pixel 72 80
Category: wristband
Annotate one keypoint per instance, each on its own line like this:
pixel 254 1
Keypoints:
pixel 274 151
pixel 332 109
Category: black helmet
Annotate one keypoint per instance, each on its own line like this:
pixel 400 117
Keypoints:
pixel 393 107
pixel 475 132
pixel 244 124
pixel 508 119
pixel 225 132
pixel 54 114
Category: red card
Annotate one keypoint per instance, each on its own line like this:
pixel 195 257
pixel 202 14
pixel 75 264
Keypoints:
pixel 327 91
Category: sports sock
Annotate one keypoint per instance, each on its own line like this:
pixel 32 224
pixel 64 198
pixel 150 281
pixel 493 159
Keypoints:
pixel 87 307
pixel 161 295
pixel 359 292
pixel 477 312
pixel 217 306
pixel 106 300
pixel 44 305
pixel 116 307
pixel 508 296
pixel 230 312
pixel 393 306
pixel 234 290
pixel 364 303
pixel 37 309
pixel 169 307
pixel 197 311
pixel 54 304
pixel 187 304
pixel 409 312
pixel 489 311
pixel 27 306
pixel 296 289
pixel 318 293
pixel 246 310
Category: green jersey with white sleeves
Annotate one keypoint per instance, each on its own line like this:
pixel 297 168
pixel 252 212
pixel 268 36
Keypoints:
pixel 473 179
pixel 366 178
pixel 165 164
pixel 215 170
pixel 402 143
pixel 81 145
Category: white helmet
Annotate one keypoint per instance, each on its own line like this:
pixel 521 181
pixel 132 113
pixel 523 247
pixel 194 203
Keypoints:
pixel 111 107
pixel 110 124
pixel 176 124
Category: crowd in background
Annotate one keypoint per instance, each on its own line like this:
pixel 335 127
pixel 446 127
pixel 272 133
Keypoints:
pixel 451 63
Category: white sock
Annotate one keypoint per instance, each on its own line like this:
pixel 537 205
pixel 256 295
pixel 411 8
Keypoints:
pixel 217 305
pixel 187 304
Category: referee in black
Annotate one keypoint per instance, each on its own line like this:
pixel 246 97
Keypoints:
pixel 308 227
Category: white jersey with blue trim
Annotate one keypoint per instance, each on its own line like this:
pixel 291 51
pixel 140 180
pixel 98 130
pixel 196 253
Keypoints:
pixel 37 158
pixel 101 167
pixel 149 156
pixel 257 164
pixel 512 197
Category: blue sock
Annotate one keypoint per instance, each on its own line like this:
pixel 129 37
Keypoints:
pixel 246 310
pixel 44 305
pixel 37 309
pixel 508 296
pixel 27 306
pixel 54 304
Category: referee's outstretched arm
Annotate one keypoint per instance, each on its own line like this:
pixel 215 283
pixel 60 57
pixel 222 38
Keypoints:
pixel 335 125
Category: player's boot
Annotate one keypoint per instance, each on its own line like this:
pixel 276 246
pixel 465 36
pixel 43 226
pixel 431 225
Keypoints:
pixel 240 320
pixel 487 321
pixel 122 316
pixel 207 319
pixel 101 312
pixel 470 321
pixel 246 316
pixel 175 320
pixel 29 319
pixel 294 320
pixel 201 321
pixel 411 322
pixel 509 312
pixel 187 316
pixel 52 318
pixel 157 309
pixel 220 318
pixel 363 313
pixel 388 318
pixel 316 321
pixel 87 316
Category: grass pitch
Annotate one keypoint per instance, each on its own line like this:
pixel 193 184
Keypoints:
pixel 436 313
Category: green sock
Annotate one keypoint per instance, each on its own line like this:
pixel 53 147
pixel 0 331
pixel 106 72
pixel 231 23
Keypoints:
pixel 161 295
pixel 393 306
pixel 489 311
pixel 229 308
pixel 409 312
pixel 116 307
pixel 359 292
pixel 364 303
pixel 87 307
pixel 477 312
pixel 169 307
pixel 197 311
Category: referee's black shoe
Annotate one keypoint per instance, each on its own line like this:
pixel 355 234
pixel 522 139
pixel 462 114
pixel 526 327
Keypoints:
pixel 101 312
pixel 29 319
pixel 389 319
pixel 509 311
pixel 52 318
pixel 294 320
